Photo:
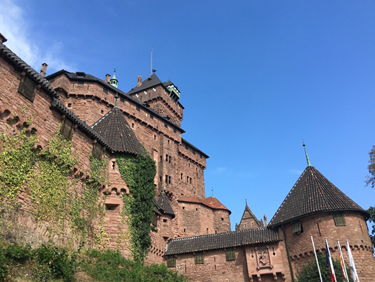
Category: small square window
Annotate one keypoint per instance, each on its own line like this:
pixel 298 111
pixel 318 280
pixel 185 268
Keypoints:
pixel 171 261
pixel 105 90
pixel 230 254
pixel 69 105
pixel 67 129
pixel 97 151
pixel 297 227
pixel 199 258
pixel 122 99
pixel 339 219
pixel 27 88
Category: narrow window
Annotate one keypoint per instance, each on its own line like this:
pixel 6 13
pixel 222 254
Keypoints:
pixel 113 165
pixel 297 227
pixel 168 141
pixel 170 159
pixel 138 108
pixel 154 137
pixel 169 179
pixel 102 112
pixel 166 125
pixel 67 129
pixel 132 125
pixel 199 258
pixel 27 88
pixel 166 179
pixel 181 175
pixel 105 90
pixel 165 220
pixel 166 158
pixel 97 151
pixel 69 105
pixel 152 116
pixel 339 219
pixel 171 261
pixel 230 254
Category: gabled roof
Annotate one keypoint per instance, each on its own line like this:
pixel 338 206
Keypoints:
pixel 7 53
pixel 210 202
pixel 222 240
pixel 247 209
pixel 114 128
pixel 163 205
pixel 311 194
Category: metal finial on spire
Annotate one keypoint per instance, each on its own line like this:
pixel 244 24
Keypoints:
pixel 151 61
pixel 212 190
pixel 307 157
pixel 162 189
pixel 246 202
pixel 116 97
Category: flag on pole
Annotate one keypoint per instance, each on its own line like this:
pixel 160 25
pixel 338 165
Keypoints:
pixel 316 258
pixel 351 263
pixel 330 264
pixel 342 263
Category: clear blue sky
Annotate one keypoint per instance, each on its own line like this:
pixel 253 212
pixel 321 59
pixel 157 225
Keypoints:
pixel 256 77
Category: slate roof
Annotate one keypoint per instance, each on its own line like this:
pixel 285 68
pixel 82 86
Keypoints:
pixel 150 81
pixel 183 141
pixel 163 205
pixel 114 128
pixel 222 240
pixel 7 53
pixel 210 202
pixel 311 194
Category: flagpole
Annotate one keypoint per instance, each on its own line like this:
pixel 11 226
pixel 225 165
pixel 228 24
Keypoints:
pixel 342 262
pixel 316 258
pixel 329 261
pixel 351 263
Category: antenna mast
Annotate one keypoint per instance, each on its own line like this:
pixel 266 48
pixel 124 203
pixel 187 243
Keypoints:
pixel 151 61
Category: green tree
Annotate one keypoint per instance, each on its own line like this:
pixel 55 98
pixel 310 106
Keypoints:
pixel 371 181
pixel 309 272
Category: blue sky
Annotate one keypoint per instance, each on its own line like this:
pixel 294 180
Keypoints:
pixel 256 77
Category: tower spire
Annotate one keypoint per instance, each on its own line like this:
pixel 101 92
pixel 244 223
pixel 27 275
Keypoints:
pixel 307 157
pixel 212 190
pixel 114 80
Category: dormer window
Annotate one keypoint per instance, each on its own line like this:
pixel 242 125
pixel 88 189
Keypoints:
pixel 27 88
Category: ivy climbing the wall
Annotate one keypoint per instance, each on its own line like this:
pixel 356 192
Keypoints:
pixel 46 178
pixel 138 172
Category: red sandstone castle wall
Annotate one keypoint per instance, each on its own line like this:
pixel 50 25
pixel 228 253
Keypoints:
pixel 321 226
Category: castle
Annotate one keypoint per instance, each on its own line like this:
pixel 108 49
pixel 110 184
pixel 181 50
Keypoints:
pixel 193 231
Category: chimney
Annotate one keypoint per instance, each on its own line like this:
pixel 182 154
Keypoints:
pixel 43 70
pixel 139 81
pixel 265 220
pixel 2 38
pixel 108 78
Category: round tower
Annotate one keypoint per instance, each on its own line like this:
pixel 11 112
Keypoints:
pixel 314 206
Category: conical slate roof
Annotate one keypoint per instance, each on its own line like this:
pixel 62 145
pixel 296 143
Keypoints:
pixel 311 194
pixel 163 205
pixel 247 209
pixel 114 128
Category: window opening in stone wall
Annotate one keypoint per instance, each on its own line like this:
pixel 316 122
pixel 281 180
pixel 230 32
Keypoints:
pixel 166 179
pixel 339 219
pixel 168 141
pixel 230 254
pixel 105 90
pixel 174 130
pixel 69 105
pixel 169 179
pixel 97 151
pixel 80 84
pixel 165 221
pixel 166 125
pixel 222 219
pixel 152 116
pixel 122 99
pixel 67 129
pixel 27 88
pixel 318 229
pixel 181 175
pixel 161 179
pixel 199 258
pixel 138 108
pixel 154 137
pixel 190 180
pixel 183 208
pixel 132 125
pixel 102 112
pixel 297 227
pixel 171 261
pixel 166 158
pixel 169 159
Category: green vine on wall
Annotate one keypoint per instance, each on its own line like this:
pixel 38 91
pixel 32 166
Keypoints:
pixel 47 178
pixel 138 172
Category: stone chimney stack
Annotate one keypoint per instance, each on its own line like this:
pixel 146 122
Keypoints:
pixel 43 70
pixel 108 78
pixel 2 38
pixel 139 81
pixel 265 220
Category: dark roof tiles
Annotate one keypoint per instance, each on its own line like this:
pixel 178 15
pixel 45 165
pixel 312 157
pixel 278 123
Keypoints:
pixel 114 128
pixel 312 193
pixel 210 202
pixel 222 240
pixel 164 205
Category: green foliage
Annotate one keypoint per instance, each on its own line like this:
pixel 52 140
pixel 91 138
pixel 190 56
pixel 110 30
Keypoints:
pixel 371 181
pixel 371 211
pixel 138 172
pixel 112 266
pixel 48 263
pixel 46 177
pixel 310 273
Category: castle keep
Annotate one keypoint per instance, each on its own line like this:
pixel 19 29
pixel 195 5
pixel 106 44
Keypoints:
pixel 193 231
